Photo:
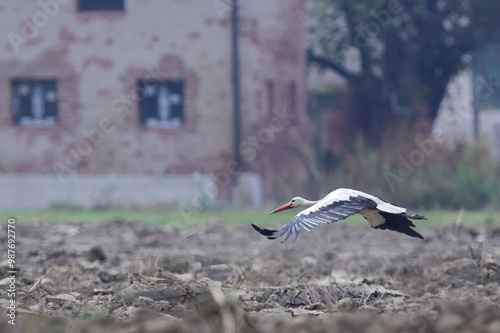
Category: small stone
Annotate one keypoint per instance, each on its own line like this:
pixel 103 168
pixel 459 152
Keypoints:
pixel 142 302
pixel 347 305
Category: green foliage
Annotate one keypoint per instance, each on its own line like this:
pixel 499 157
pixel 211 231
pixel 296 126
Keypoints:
pixel 465 179
pixel 471 183
pixel 475 181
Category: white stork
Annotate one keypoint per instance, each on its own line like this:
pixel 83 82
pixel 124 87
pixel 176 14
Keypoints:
pixel 338 205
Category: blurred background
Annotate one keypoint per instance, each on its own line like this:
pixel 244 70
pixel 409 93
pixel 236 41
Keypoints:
pixel 177 123
pixel 200 105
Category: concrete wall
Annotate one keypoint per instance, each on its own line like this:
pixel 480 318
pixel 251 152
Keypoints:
pixel 39 191
pixel 97 57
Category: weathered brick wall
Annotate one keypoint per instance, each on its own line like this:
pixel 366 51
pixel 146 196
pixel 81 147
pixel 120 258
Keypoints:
pixel 97 58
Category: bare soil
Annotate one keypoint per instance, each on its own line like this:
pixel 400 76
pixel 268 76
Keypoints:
pixel 127 276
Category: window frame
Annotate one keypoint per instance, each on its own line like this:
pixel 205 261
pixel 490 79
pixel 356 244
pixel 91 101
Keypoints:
pixel 270 87
pixel 175 110
pixel 19 103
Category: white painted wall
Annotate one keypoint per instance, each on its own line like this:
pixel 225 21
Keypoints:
pixel 454 124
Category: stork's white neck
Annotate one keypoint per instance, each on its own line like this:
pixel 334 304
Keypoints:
pixel 309 203
pixel 301 202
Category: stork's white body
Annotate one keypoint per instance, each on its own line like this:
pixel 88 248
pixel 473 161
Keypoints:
pixel 338 205
pixel 346 194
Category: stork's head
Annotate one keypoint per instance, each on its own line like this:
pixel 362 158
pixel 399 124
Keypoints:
pixel 295 202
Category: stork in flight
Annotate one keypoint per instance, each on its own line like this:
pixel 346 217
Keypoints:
pixel 338 205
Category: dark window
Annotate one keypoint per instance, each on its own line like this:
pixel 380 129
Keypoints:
pixel 161 103
pixel 270 96
pixel 34 102
pixel 292 101
pixel 91 5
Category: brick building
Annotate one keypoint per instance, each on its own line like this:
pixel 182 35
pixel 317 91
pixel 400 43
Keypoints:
pixel 143 87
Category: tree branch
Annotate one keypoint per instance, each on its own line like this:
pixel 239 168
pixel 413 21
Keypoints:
pixel 328 63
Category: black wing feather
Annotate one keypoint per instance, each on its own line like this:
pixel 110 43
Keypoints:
pixel 400 223
pixel 266 232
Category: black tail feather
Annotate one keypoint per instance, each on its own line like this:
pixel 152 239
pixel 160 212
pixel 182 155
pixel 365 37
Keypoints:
pixel 401 223
pixel 269 233
pixel 415 217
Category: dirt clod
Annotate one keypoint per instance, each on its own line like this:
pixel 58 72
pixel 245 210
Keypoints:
pixel 96 253
pixel 220 279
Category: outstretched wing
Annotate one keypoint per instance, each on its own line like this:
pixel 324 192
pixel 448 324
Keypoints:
pixel 321 213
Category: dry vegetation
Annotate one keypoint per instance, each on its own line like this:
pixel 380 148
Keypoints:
pixel 417 174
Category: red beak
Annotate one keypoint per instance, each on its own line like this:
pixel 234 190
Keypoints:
pixel 279 209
